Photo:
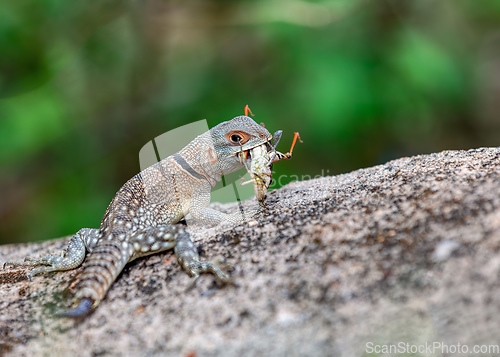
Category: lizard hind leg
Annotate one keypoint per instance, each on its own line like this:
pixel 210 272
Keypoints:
pixel 189 259
pixel 71 257
pixel 156 239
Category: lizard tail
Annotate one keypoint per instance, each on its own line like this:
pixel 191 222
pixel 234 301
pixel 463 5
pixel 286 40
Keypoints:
pixel 101 269
pixel 85 306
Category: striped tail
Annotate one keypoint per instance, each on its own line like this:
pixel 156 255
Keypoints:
pixel 102 268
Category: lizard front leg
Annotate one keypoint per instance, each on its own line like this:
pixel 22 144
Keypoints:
pixel 199 210
pixel 71 257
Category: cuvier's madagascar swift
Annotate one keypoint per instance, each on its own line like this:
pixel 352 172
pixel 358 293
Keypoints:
pixel 141 219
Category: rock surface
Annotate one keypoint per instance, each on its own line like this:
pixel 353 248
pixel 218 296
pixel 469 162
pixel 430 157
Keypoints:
pixel 405 252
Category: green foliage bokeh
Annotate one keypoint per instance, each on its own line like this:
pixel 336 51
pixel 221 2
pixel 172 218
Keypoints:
pixel 84 85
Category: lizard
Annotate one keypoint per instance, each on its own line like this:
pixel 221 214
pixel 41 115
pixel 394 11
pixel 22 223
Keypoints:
pixel 143 217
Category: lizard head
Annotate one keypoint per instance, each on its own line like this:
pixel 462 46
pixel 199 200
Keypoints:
pixel 237 137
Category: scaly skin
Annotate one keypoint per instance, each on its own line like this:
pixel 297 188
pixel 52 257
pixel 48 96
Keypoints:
pixel 142 217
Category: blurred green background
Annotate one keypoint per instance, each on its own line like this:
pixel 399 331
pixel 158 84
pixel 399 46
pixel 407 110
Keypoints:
pixel 85 84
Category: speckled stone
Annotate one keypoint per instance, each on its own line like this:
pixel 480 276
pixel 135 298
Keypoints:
pixel 335 263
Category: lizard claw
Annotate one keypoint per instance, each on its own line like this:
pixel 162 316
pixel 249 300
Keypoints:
pixel 192 283
pixel 217 267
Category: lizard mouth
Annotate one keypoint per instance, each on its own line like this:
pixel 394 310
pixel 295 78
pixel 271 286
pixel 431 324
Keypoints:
pixel 246 155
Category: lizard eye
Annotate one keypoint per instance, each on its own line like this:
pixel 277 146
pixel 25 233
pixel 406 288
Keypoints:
pixel 235 138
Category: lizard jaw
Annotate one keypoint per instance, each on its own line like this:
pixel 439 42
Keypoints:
pixel 245 155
